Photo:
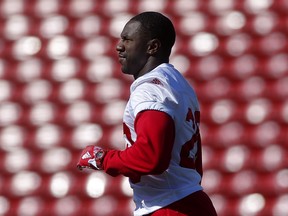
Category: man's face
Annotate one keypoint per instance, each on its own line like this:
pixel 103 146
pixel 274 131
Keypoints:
pixel 132 49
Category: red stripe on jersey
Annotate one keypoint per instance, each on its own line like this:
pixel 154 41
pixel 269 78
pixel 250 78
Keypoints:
pixel 127 134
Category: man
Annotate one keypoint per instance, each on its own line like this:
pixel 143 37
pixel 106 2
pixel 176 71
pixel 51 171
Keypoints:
pixel 161 126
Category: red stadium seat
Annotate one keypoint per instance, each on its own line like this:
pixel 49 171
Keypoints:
pixel 61 88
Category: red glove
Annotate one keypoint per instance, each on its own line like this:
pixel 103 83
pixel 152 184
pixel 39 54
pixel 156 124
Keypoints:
pixel 92 158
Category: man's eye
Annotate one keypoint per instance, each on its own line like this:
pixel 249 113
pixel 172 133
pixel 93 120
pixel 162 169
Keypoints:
pixel 125 39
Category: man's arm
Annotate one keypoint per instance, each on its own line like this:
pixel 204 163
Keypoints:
pixel 151 152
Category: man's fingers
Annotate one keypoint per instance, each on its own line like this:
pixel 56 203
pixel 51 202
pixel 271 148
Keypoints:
pixel 82 167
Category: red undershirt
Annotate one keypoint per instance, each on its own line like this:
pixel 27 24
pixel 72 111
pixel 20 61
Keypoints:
pixel 150 153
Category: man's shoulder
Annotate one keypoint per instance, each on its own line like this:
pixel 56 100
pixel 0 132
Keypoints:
pixel 154 78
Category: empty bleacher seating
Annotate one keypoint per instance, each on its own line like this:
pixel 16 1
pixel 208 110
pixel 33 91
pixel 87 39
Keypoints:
pixel 61 89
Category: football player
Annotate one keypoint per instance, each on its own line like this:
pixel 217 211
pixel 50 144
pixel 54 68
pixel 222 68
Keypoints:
pixel 161 126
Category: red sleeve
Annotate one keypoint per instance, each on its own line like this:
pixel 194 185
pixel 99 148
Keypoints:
pixel 151 152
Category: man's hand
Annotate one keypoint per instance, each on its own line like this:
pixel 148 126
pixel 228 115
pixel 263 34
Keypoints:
pixel 91 157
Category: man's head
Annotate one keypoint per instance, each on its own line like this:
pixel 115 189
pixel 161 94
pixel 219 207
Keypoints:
pixel 157 26
pixel 146 41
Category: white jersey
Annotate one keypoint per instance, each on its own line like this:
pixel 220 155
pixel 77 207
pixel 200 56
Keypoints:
pixel 166 90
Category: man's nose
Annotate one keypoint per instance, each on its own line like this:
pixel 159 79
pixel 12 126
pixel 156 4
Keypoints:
pixel 119 46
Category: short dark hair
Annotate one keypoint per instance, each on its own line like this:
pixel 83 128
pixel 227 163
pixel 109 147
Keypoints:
pixel 158 27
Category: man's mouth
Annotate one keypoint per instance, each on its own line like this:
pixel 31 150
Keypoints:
pixel 121 58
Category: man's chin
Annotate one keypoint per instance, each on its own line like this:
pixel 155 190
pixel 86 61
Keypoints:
pixel 124 70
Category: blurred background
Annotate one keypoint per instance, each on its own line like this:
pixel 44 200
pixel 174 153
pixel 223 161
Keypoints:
pixel 61 89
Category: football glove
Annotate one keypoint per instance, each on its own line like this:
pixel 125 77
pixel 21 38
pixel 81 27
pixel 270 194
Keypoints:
pixel 92 158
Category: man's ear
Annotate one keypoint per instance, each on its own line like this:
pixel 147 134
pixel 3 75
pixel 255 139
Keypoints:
pixel 153 46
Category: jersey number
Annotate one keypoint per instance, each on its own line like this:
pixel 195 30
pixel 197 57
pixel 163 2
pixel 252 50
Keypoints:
pixel 190 155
